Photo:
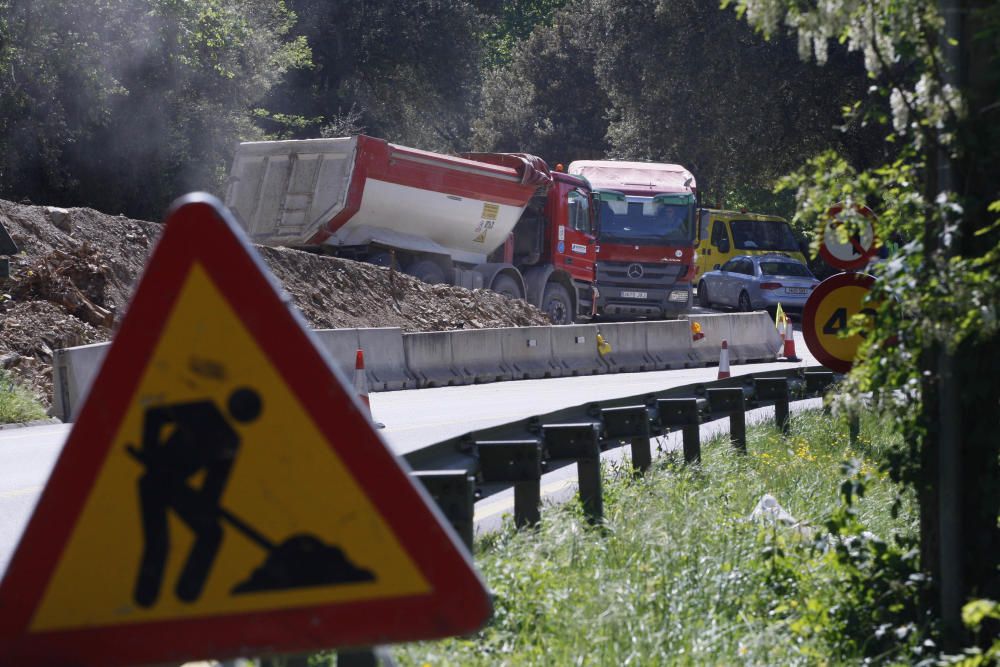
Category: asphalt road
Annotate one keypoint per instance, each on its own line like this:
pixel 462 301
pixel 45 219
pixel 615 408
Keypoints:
pixel 413 419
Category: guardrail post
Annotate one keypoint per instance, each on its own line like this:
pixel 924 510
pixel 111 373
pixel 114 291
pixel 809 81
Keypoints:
pixel 454 492
pixel 683 412
pixel 376 656
pixel 731 402
pixel 854 427
pixel 817 381
pixel 774 389
pixel 580 442
pixel 517 462
pixel 631 423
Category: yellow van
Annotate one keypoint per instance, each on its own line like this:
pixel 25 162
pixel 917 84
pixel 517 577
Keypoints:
pixel 724 234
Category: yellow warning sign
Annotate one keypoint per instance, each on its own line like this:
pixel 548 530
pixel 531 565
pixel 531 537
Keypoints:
pixel 219 494
pixel 490 211
pixel 223 492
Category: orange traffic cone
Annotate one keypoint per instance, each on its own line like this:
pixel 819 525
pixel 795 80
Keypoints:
pixel 724 361
pixel 361 384
pixel 789 345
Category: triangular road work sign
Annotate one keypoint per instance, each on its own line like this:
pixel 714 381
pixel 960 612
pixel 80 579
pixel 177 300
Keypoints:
pixel 222 493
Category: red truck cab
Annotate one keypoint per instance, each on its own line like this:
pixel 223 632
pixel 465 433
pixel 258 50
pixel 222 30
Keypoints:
pixel 646 220
pixel 554 246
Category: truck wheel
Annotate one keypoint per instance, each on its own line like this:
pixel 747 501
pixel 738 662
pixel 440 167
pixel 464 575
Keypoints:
pixel 703 299
pixel 744 302
pixel 380 259
pixel 507 286
pixel 426 270
pixel 557 304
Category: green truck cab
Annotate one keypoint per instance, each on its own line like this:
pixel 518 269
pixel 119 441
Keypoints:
pixel 724 234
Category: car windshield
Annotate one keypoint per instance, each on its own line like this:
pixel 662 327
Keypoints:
pixel 763 235
pixel 779 268
pixel 647 220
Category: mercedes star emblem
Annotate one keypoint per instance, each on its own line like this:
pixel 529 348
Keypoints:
pixel 635 270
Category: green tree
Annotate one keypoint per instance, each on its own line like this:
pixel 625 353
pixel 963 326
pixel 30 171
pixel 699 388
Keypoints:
pixel 513 22
pixel 676 82
pixel 405 70
pixel 932 361
pixel 124 105
pixel 690 83
pixel 547 99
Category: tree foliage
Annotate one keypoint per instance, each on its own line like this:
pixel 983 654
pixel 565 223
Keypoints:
pixel 547 100
pixel 124 105
pixel 672 81
pixel 932 359
pixel 406 70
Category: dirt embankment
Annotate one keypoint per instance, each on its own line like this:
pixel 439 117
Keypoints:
pixel 72 280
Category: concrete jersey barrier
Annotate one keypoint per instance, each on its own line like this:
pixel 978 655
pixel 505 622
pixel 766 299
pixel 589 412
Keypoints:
pixel 73 370
pixel 574 350
pixel 394 360
pixel 751 337
pixel 527 352
pixel 342 345
pixel 477 354
pixel 429 359
pixel 628 347
pixel 669 343
pixel 715 329
pixel 385 359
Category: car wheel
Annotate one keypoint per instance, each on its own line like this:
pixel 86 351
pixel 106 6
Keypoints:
pixel 745 305
pixel 557 304
pixel 703 299
pixel 426 270
pixel 504 284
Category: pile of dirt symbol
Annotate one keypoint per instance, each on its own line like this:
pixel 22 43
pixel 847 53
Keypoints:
pixel 71 282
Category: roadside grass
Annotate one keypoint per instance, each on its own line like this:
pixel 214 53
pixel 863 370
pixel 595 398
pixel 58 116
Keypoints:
pixel 678 574
pixel 17 404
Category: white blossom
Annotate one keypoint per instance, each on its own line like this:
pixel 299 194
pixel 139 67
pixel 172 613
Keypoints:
pixel 900 112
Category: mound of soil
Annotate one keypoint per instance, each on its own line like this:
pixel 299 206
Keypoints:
pixel 72 280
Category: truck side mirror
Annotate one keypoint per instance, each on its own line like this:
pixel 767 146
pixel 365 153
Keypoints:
pixel 723 245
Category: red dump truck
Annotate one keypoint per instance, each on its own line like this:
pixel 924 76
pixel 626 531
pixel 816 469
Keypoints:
pixel 500 221
pixel 646 228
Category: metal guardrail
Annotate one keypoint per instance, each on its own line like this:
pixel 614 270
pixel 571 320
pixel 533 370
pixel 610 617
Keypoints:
pixel 481 463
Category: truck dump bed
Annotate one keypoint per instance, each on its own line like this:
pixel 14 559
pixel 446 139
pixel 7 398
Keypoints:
pixel 358 191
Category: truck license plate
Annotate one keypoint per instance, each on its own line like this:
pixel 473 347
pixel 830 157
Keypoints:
pixel 634 295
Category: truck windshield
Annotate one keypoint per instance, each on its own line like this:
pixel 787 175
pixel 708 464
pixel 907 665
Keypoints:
pixel 763 235
pixel 647 220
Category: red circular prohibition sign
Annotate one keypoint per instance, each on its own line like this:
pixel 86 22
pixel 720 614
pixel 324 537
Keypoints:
pixel 865 254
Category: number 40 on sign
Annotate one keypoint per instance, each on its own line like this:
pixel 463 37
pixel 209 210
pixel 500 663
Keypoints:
pixel 828 312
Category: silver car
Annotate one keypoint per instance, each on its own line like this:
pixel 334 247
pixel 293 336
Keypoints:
pixel 754 282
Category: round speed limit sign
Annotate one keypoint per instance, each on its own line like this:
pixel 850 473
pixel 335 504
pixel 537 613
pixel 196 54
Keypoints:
pixel 848 245
pixel 828 312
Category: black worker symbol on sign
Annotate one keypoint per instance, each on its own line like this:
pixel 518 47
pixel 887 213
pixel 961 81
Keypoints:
pixel 182 441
